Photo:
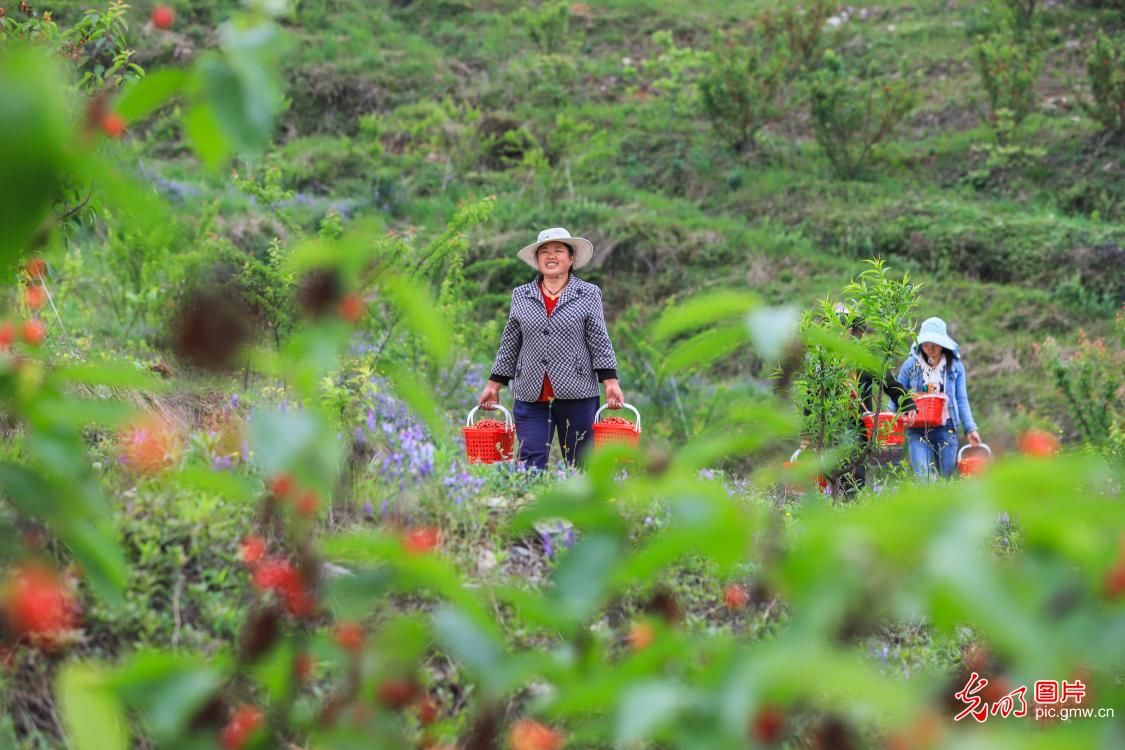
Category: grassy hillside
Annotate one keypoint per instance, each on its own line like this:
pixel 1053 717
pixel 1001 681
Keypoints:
pixel 587 115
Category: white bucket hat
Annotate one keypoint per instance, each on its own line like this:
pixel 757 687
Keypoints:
pixel 933 331
pixel 583 248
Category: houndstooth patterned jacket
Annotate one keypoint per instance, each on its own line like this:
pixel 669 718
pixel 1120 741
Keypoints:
pixel 572 346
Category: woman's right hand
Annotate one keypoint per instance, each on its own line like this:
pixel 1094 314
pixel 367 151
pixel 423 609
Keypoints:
pixel 490 396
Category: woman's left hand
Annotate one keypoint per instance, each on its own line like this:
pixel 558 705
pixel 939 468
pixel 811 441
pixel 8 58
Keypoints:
pixel 614 398
pixel 974 438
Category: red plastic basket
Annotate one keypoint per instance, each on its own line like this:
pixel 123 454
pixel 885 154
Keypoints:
pixel 890 427
pixel 617 433
pixel 974 463
pixel 931 406
pixel 488 445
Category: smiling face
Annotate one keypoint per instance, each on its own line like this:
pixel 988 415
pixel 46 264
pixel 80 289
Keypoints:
pixel 932 351
pixel 554 259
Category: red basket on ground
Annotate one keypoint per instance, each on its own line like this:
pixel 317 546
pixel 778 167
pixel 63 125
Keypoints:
pixel 930 408
pixel 488 443
pixel 974 463
pixel 890 427
pixel 617 432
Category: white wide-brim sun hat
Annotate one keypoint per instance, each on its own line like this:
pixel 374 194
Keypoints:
pixel 583 248
pixel 934 331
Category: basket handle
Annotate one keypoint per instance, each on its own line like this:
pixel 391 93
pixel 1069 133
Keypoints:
pixel 507 416
pixel 970 445
pixel 796 453
pixel 630 407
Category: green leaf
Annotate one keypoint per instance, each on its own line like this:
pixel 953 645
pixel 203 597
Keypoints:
pixel 118 376
pixel 202 129
pixel 167 689
pixel 583 574
pixel 91 713
pixel 101 559
pixel 703 310
pixel 416 394
pixel 468 642
pixel 771 328
pixel 144 96
pixel 421 315
pixel 645 707
pixel 34 148
pixel 850 350
pixel 704 348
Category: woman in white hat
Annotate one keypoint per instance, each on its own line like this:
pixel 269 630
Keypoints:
pixel 934 366
pixel 554 351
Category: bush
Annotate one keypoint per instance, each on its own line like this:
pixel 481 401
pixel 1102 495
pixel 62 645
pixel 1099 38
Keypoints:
pixel 1009 69
pixel 1105 66
pixel 1092 381
pixel 852 116
pixel 802 26
pixel 739 90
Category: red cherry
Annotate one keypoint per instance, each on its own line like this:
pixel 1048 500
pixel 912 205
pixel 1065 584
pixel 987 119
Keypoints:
pixel 1038 443
pixel 113 124
pixel 36 268
pixel 1115 581
pixel 241 727
pixel 422 540
pixel 349 636
pixel 736 597
pixel 768 725
pixel 34 332
pixel 280 486
pixel 308 504
pixel 163 17
pixel 7 335
pixel 397 692
pixel 528 734
pixel 253 549
pixel 35 296
pixel 427 710
pixel 38 604
pixel 352 308
pixel 303 667
pixel 641 636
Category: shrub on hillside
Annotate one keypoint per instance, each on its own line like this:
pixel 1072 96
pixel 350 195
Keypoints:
pixel 1009 69
pixel 801 25
pixel 851 116
pixel 1105 67
pixel 740 90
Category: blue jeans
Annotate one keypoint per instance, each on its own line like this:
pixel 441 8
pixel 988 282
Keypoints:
pixel 933 450
pixel 537 422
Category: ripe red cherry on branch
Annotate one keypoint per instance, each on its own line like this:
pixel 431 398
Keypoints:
pixel 736 597
pixel 423 540
pixel 36 268
pixel 351 308
pixel 397 692
pixel 349 636
pixel 528 734
pixel 38 604
pixel 280 486
pixel 1038 443
pixel 163 17
pixel 308 504
pixel 113 124
pixel 7 335
pixel 241 727
pixel 35 296
pixel 253 549
pixel 767 725
pixel 34 331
